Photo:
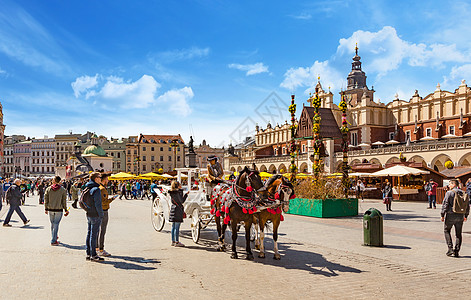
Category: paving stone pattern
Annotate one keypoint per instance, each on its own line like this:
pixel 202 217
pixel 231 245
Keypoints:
pixel 321 259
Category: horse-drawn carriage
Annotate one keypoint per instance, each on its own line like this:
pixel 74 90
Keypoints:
pixel 246 201
pixel 197 207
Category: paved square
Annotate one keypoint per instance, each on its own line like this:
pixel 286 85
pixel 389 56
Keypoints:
pixel 321 258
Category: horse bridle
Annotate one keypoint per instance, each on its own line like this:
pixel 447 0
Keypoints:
pixel 248 183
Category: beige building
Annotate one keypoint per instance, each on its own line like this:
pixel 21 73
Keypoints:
pixel 203 151
pixel 65 147
pixel 115 148
pixel 9 166
pixel 160 151
pixel 43 157
pixel 132 155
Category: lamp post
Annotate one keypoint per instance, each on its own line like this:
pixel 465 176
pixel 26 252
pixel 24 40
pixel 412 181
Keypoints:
pixel 174 144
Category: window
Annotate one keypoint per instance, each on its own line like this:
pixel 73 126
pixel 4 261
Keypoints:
pixel 135 152
pixel 304 148
pixel 391 136
pixel 354 139
pixel 451 129
pixel 129 152
pixel 407 135
pixel 284 150
pixel 144 158
pixel 143 167
pixel 152 158
pixel 428 132
pixel 169 158
pixel 151 148
pixel 169 148
pixel 161 148
pixel 119 155
pixel 143 148
pixel 178 158
pixel 276 151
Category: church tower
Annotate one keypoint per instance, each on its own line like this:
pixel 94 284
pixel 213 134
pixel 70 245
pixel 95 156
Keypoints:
pixel 356 83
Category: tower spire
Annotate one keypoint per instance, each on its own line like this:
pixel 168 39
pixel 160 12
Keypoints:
pixel 356 49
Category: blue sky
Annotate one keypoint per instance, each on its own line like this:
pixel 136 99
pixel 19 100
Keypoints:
pixel 121 68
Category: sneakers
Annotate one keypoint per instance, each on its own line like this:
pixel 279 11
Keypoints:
pixel 6 225
pixel 429 208
pixel 27 221
pixel 103 253
pixel 456 253
pixel 173 244
pixel 450 252
pixel 178 244
pixel 55 244
pixel 96 258
pixel 87 257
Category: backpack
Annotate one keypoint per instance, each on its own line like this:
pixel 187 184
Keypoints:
pixel 428 187
pixel 85 201
pixel 460 203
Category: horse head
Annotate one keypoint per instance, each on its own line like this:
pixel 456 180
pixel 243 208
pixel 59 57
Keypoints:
pixel 279 188
pixel 250 183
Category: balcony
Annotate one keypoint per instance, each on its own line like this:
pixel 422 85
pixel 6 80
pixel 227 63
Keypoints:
pixel 272 159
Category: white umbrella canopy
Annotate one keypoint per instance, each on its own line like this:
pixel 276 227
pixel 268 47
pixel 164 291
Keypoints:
pixel 392 142
pixel 467 134
pixel 428 138
pixel 398 170
pixel 359 174
pixel 449 136
pixel 167 176
pixel 378 143
pixel 364 145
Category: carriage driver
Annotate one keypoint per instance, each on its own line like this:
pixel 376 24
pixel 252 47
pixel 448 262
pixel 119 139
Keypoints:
pixel 215 172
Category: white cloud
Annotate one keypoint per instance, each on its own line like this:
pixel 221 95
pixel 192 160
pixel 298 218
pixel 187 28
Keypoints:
pixel 302 16
pixel 83 84
pixel 457 74
pixel 387 51
pixel 251 69
pixel 178 99
pixel 182 54
pixel 137 94
pixel 307 77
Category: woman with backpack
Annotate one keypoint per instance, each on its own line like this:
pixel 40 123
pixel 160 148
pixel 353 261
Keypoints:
pixel 387 195
pixel 177 212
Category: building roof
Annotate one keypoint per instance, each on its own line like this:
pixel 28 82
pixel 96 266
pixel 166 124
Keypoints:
pixel 94 150
pixel 456 172
pixel 329 127
pixel 159 139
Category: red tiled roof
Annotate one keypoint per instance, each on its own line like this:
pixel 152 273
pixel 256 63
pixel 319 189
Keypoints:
pixel 159 139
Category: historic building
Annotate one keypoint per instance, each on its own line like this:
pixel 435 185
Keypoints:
pixel 9 163
pixel 43 157
pixel 22 158
pixel 430 130
pixel 2 141
pixel 203 151
pixel 115 148
pixel 65 147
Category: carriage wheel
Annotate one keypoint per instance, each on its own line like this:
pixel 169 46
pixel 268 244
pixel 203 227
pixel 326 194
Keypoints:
pixel 195 225
pixel 253 233
pixel 157 215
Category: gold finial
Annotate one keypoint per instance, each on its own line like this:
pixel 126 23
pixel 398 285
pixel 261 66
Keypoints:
pixel 356 48
pixel 318 77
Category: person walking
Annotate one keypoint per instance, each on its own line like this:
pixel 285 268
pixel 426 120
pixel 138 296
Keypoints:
pixel 123 191
pixel 455 211
pixel 74 190
pixel 55 204
pixel 5 186
pixel 94 214
pixel 431 190
pixel 41 190
pixel 387 195
pixel 153 186
pixel 360 188
pixel 105 201
pixel 176 211
pixel 14 198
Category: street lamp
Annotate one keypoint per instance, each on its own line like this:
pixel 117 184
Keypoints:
pixel 174 144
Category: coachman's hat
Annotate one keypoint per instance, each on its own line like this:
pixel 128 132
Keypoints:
pixel 212 157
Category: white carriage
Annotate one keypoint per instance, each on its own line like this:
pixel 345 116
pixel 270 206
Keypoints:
pixel 197 206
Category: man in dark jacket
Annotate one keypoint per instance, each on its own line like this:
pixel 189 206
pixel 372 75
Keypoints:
pixel 14 197
pixel 94 215
pixel 453 219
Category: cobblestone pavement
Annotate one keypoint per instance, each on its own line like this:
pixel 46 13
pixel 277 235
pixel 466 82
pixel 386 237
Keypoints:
pixel 321 258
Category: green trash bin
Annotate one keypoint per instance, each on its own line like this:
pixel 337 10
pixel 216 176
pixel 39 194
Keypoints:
pixel 373 228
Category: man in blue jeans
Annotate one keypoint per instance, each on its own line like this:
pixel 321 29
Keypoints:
pixel 94 214
pixel 14 196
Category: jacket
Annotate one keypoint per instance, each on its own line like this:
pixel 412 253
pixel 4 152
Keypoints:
pixel 96 209
pixel 74 192
pixel 14 195
pixel 447 206
pixel 176 211
pixel 433 189
pixel 105 200
pixel 387 190
pixel 55 198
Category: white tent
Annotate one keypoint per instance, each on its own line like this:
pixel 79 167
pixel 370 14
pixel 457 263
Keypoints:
pixel 359 174
pixel 428 138
pixel 378 143
pixel 392 142
pixel 398 171
pixel 449 136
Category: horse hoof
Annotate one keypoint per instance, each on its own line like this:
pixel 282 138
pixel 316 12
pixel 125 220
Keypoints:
pixel 234 256
pixel 257 247
pixel 261 255
pixel 250 256
pixel 277 257
pixel 221 248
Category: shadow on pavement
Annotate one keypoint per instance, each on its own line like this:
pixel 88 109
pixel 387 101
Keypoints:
pixel 130 263
pixel 291 258
pixel 406 217
pixel 82 247
pixel 397 247
pixel 32 227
